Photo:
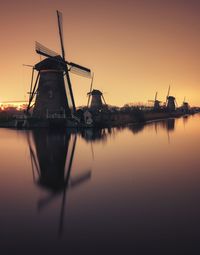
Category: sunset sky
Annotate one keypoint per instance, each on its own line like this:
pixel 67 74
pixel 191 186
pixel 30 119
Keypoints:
pixel 134 47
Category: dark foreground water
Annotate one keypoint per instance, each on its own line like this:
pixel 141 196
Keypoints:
pixel 121 191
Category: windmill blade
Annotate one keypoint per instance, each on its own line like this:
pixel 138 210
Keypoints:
pixel 168 91
pixel 80 70
pixel 60 29
pixel 104 99
pixel 156 96
pixel 76 181
pixel 33 92
pixel 32 76
pixel 69 91
pixel 28 65
pixel 89 94
pixel 168 94
pixel 42 50
pixel 43 202
pixel 71 158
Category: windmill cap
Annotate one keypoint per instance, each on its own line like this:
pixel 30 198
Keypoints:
pixel 170 97
pixel 95 92
pixel 54 63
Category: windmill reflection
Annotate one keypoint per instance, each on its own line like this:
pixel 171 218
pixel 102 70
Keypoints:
pixel 168 125
pixel 97 134
pixel 137 128
pixel 52 155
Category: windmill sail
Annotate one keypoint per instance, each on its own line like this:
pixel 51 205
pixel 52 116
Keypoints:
pixel 69 98
pixel 156 96
pixel 89 94
pixel 60 28
pixel 80 70
pixel 42 50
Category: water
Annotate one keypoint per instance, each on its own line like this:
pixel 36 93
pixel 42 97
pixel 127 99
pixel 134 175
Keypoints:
pixel 132 190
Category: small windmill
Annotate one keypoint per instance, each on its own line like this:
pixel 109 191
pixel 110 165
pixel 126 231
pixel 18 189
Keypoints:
pixel 156 102
pixel 170 101
pixel 98 101
pixel 52 90
pixel 185 106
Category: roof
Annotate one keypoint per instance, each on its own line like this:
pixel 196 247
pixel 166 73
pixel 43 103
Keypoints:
pixel 96 92
pixel 54 63
pixel 171 97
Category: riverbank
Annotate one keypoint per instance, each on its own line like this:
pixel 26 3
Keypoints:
pixel 136 117
pixel 99 119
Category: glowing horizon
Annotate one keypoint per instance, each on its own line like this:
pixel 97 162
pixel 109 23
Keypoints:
pixel 135 48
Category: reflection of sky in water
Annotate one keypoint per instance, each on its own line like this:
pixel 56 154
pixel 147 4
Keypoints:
pixel 132 188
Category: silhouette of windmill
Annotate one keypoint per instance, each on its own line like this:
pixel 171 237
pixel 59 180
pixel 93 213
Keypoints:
pixel 156 102
pixel 171 102
pixel 98 101
pixel 185 106
pixel 52 89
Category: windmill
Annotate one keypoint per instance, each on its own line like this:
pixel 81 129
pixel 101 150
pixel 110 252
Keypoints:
pixel 170 102
pixel 156 102
pixel 185 106
pixel 52 89
pixel 98 101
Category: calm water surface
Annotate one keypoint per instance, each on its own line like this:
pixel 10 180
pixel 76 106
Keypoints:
pixel 134 190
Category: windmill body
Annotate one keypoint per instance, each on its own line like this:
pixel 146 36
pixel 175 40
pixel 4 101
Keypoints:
pixel 156 105
pixel 96 101
pixel 185 107
pixel 51 98
pixel 171 103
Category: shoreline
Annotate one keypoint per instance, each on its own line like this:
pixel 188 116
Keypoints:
pixel 103 120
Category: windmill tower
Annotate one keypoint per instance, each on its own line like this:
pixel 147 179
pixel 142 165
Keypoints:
pixel 52 90
pixel 185 106
pixel 156 106
pixel 98 101
pixel 170 102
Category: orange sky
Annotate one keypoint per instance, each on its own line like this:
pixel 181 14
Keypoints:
pixel 134 47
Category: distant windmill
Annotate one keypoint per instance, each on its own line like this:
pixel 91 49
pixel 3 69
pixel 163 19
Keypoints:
pixel 98 100
pixel 185 106
pixel 52 90
pixel 170 101
pixel 156 103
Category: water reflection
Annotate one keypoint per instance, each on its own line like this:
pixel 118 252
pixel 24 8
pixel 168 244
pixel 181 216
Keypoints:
pixel 185 119
pixel 168 125
pixel 143 193
pixel 137 128
pixel 52 155
pixel 97 134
